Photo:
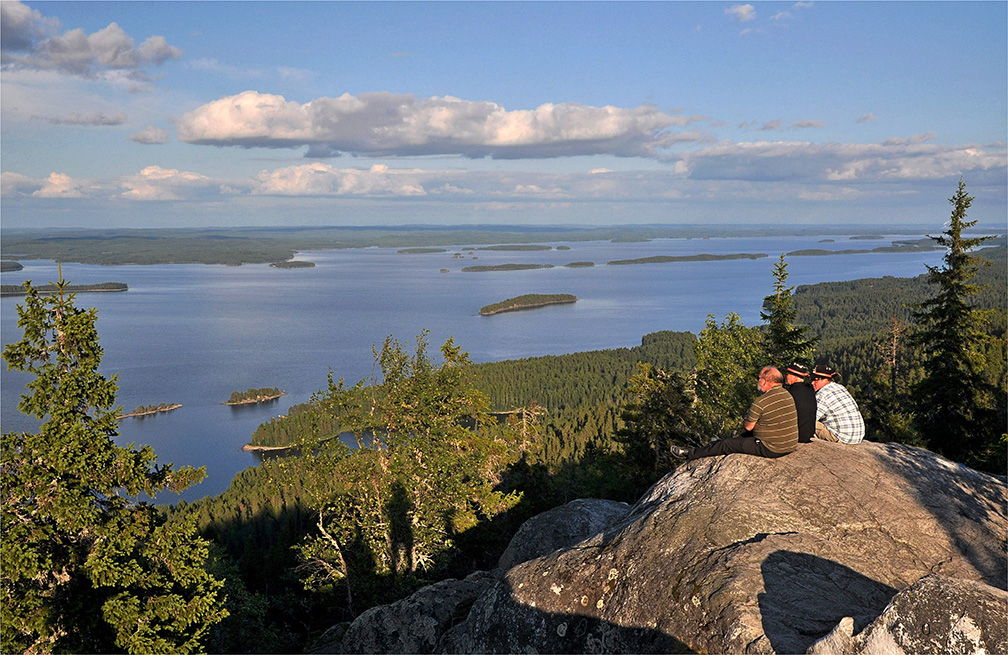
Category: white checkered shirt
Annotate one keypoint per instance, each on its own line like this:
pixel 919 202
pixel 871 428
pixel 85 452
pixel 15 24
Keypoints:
pixel 837 410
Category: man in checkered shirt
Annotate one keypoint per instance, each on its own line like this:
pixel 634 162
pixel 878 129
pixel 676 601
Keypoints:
pixel 837 415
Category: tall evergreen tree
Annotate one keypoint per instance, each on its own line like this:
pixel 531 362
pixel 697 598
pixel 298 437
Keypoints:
pixel 953 402
pixel 783 341
pixel 728 362
pixel 83 566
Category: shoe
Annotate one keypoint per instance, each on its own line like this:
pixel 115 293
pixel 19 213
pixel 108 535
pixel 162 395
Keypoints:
pixel 679 451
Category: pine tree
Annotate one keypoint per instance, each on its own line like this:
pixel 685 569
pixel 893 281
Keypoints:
pixel 953 402
pixel 85 568
pixel 783 341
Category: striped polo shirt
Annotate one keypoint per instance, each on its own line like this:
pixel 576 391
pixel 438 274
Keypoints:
pixel 776 420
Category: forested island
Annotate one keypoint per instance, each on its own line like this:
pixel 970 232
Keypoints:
pixel 147 410
pixel 252 396
pixel 504 267
pixel 9 266
pixel 45 289
pixel 703 257
pixel 527 301
pixel 421 251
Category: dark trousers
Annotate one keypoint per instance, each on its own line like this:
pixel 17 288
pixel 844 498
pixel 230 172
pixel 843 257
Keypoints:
pixel 745 443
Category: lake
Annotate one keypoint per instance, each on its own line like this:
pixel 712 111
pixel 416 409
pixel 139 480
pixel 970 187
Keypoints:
pixel 192 334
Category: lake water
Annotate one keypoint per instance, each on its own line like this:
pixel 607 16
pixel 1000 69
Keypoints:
pixel 192 334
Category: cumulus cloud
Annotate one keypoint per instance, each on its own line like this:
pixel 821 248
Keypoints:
pixel 29 41
pixel 59 185
pixel 157 183
pixel 809 124
pixel 403 125
pixel 741 13
pixel 892 160
pixel 96 118
pixel 150 135
pixel 866 118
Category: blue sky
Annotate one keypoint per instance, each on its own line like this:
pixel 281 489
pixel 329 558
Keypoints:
pixel 158 114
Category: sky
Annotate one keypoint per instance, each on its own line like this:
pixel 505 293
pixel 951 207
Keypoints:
pixel 192 114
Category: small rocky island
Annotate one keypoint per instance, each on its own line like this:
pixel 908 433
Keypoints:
pixel 527 301
pixel 147 410
pixel 253 396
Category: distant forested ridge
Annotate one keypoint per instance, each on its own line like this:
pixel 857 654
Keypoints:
pixel 44 289
pixel 527 301
pixel 235 246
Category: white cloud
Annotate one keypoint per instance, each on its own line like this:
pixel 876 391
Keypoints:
pixel 403 125
pixel 59 185
pixel 804 124
pixel 866 118
pixel 318 179
pixel 741 13
pixel 29 42
pixel 157 183
pixel 781 15
pixel 150 135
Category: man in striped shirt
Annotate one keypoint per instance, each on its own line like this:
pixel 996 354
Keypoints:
pixel 771 425
pixel 837 415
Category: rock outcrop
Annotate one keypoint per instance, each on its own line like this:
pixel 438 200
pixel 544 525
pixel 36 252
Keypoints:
pixel 867 548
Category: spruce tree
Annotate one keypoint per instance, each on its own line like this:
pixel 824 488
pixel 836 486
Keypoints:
pixel 83 566
pixel 783 341
pixel 953 402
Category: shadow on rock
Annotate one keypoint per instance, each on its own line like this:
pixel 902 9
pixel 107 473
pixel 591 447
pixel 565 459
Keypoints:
pixel 806 596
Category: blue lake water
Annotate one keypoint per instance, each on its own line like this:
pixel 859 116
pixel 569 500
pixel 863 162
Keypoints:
pixel 192 334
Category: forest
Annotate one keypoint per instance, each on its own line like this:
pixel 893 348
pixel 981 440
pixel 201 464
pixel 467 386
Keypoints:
pixel 448 458
pixel 253 396
pixel 527 301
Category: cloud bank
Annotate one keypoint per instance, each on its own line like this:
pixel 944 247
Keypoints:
pixel 30 41
pixel 390 124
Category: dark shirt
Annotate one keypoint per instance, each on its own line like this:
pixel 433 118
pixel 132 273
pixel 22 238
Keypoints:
pixel 805 404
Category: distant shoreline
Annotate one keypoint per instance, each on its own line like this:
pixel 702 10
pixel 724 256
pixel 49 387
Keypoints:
pixel 49 289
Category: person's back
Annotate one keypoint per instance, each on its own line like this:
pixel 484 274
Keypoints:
pixel 776 420
pixel 837 415
pixel 796 382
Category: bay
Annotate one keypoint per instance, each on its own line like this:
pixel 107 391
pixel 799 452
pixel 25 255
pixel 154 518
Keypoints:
pixel 192 334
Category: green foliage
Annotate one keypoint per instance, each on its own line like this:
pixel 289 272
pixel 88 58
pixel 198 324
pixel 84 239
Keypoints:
pixel 527 300
pixel 424 473
pixel 658 415
pixel 955 405
pixel 728 362
pixel 84 567
pixel 784 341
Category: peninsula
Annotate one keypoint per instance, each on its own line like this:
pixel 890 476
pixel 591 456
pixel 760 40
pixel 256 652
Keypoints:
pixel 48 289
pixel 527 301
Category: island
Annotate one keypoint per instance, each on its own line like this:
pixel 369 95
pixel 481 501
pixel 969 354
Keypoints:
pixel 524 247
pixel 147 410
pixel 527 301
pixel 49 289
pixel 579 264
pixel 420 251
pixel 8 266
pixel 293 264
pixel 504 267
pixel 703 257
pixel 253 396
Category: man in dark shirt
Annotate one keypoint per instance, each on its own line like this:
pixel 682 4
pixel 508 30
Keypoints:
pixel 771 425
pixel 796 381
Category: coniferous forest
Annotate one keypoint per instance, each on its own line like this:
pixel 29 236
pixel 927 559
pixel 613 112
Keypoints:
pixel 446 458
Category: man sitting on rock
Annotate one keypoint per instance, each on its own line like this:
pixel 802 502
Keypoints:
pixel 771 425
pixel 837 415
pixel 796 381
